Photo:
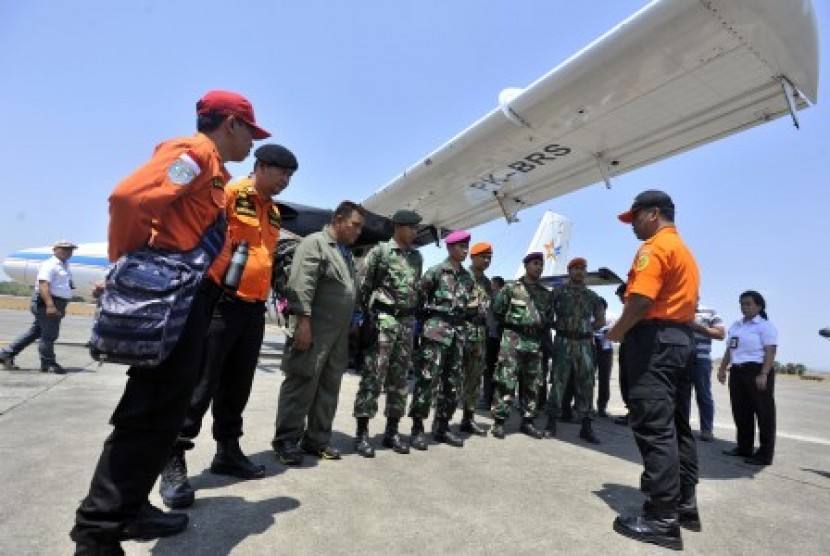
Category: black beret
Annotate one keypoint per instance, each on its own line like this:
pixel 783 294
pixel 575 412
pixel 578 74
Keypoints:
pixel 276 155
pixel 406 217
pixel 534 256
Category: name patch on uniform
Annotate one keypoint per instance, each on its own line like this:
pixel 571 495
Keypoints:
pixel 184 169
pixel 245 206
pixel 274 218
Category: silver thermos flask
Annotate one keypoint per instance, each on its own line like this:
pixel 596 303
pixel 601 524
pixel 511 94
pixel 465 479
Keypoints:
pixel 238 260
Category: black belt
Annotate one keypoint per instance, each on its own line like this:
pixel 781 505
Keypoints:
pixel 748 365
pixel 225 296
pixel 394 311
pixel 574 335
pixel 664 322
pixel 452 318
pixel 526 330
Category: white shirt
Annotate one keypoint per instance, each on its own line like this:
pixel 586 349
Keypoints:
pixel 605 343
pixel 747 340
pixel 58 275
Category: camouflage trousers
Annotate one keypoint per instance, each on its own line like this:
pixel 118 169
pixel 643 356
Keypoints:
pixel 517 367
pixel 474 363
pixel 438 378
pixel 577 357
pixel 386 364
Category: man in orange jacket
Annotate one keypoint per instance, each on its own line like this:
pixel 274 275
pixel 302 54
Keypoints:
pixel 168 203
pixel 236 329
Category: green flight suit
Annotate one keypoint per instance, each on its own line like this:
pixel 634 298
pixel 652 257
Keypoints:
pixel 323 285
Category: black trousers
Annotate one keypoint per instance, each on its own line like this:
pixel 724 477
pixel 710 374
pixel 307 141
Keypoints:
pixel 605 360
pixel 748 404
pixel 146 423
pixel 229 359
pixel 623 375
pixel 658 361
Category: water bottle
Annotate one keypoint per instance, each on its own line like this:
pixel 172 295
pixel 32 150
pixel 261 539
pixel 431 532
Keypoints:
pixel 238 260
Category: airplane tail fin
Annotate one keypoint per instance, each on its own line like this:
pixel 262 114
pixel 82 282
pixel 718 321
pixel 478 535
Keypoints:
pixel 552 238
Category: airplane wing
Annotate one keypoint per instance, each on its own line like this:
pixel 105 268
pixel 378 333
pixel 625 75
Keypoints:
pixel 675 75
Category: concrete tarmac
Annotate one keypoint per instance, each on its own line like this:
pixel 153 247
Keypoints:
pixel 511 496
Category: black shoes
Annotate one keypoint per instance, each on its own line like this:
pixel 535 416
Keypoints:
pixel 529 429
pixel 287 452
pixel 602 413
pixel 468 425
pixel 621 420
pixel 444 434
pixel 758 458
pixel 90 549
pixel 687 514
pixel 550 428
pixel 229 460
pixel 663 532
pixel 7 361
pixel 586 432
pixel 322 452
pixel 416 439
pixel 362 446
pixel 153 523
pixel 393 440
pixel 706 436
pixel 53 368
pixel 174 488
pixel 498 429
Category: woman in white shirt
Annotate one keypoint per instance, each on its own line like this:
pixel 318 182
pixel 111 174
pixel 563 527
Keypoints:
pixel 751 349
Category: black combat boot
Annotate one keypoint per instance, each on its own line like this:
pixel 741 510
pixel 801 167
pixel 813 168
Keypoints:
pixel 687 514
pixel 444 434
pixel 469 425
pixel 586 432
pixel 528 428
pixel 391 438
pixel 229 460
pixel 175 489
pixel 498 428
pixel 416 439
pixel 550 428
pixel 361 440
pixel 655 526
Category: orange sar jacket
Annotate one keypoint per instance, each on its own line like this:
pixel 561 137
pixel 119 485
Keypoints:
pixel 257 221
pixel 665 271
pixel 171 200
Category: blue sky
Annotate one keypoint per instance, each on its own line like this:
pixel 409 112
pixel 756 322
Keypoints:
pixel 359 91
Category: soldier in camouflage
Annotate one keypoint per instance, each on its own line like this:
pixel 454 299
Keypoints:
pixel 577 314
pixel 522 308
pixel 389 291
pixel 445 289
pixel 478 310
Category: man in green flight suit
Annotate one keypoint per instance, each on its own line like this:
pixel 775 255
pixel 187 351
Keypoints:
pixel 522 308
pixel 445 290
pixel 389 294
pixel 321 291
pixel 577 314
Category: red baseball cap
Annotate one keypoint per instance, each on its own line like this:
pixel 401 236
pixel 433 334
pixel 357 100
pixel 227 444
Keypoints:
pixel 228 103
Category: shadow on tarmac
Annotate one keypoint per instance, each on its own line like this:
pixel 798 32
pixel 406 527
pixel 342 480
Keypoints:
pixel 239 520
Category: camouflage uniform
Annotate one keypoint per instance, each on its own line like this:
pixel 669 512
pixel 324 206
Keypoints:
pixel 446 294
pixel 476 335
pixel 574 308
pixel 390 290
pixel 523 309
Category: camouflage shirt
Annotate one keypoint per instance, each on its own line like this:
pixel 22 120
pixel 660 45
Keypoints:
pixel 446 293
pixel 575 308
pixel 390 277
pixel 524 310
pixel 479 307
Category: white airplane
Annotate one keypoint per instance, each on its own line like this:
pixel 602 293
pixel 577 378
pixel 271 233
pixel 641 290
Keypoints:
pixel 675 75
